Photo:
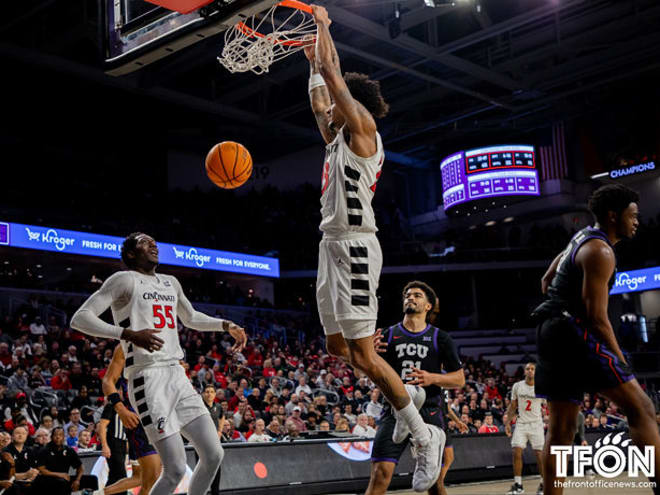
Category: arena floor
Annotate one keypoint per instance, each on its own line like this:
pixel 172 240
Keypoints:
pixel 531 483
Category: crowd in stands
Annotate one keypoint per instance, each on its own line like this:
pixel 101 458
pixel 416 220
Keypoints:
pixel 51 376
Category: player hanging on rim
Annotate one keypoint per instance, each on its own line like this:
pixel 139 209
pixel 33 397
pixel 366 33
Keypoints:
pixel 143 456
pixel 350 258
pixel 529 427
pixel 158 388
pixel 419 353
pixel 578 351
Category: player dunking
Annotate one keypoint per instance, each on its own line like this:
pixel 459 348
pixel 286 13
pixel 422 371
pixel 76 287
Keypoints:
pixel 145 459
pixel 350 257
pixel 578 351
pixel 529 427
pixel 419 353
pixel 159 390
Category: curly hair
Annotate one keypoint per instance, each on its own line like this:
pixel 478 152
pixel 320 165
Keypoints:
pixel 612 197
pixel 367 92
pixel 430 296
pixel 129 246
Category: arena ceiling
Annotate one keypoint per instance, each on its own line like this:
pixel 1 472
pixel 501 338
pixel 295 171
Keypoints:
pixel 455 71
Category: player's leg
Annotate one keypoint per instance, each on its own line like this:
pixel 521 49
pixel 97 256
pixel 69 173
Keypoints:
pixel 203 435
pixel 447 461
pixel 561 430
pixel 641 416
pixel 381 476
pixel 150 467
pixel 173 456
pixel 539 463
pixel 125 484
pixel 537 439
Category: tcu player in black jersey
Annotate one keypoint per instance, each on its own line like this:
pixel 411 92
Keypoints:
pixel 419 353
pixel 578 351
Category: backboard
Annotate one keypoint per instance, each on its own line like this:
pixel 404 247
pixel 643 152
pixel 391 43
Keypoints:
pixel 139 33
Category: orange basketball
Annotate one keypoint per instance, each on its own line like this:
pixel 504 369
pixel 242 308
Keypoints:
pixel 228 165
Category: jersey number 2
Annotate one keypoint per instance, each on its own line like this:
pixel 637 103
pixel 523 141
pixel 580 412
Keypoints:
pixel 163 315
pixel 529 405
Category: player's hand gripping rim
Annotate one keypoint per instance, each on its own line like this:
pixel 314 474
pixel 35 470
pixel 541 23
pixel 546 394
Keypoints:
pixel 145 338
pixel 379 345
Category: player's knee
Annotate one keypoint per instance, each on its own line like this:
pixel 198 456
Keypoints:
pixel 175 472
pixel 336 348
pixel 216 456
pixel 382 475
pixel 644 409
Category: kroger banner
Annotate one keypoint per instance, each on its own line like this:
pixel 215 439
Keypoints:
pixel 637 280
pixel 105 246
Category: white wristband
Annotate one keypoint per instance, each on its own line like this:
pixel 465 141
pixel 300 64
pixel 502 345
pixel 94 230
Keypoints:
pixel 315 81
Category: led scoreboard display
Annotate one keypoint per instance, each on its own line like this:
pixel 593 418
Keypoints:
pixel 508 170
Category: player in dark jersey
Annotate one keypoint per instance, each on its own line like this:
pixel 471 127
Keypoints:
pixel 146 472
pixel 578 351
pixel 419 353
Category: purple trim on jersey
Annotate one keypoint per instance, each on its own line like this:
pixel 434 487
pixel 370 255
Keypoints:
pixel 385 459
pixel 389 339
pixel 410 334
pixel 435 339
pixel 597 234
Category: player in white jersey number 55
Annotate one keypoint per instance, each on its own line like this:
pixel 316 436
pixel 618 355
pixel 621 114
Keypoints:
pixel 145 306
pixel 350 257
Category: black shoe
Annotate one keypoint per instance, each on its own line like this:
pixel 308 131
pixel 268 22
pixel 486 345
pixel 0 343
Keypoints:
pixel 539 490
pixel 516 489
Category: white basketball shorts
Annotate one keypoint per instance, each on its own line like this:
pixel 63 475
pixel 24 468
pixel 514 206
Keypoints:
pixel 164 399
pixel 528 432
pixel 346 284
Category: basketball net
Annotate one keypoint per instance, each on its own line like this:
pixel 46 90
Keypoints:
pixel 253 45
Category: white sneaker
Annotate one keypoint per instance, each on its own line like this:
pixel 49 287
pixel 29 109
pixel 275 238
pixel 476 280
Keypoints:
pixel 429 460
pixel 401 430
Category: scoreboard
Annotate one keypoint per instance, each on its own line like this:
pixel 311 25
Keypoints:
pixel 506 170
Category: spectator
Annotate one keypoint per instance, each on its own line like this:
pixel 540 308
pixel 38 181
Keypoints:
pixel 488 426
pixel 302 386
pixel 37 327
pixel 18 381
pixel 297 420
pixel 274 429
pixel 292 432
pixel 324 425
pixel 23 458
pixel 348 414
pixel 362 428
pixel 41 437
pixel 84 442
pixel 5 439
pixel 54 462
pixel 72 436
pixel 74 420
pixel 60 380
pixel 342 426
pixel 47 423
pixel 374 408
pixel 259 434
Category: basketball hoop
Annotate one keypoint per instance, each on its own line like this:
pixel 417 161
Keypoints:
pixel 255 44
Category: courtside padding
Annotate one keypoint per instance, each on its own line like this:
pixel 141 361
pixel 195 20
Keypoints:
pixel 310 467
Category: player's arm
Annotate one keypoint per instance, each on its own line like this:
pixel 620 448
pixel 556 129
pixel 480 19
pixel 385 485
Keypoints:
pixel 546 280
pixel 359 121
pixel 511 412
pixel 119 287
pixel 205 323
pixel 462 427
pixel 319 98
pixel 597 261
pixel 112 374
pixel 449 361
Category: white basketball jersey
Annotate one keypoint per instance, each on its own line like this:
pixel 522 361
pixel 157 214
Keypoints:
pixel 348 186
pixel 153 304
pixel 529 406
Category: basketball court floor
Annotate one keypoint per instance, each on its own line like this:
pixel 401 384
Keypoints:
pixel 531 483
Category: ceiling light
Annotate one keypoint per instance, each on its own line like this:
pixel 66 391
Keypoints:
pixel 490 223
pixel 508 219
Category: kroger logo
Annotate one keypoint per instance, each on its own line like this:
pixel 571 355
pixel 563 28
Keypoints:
pixel 609 457
pixel 631 283
pixel 191 255
pixel 50 237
